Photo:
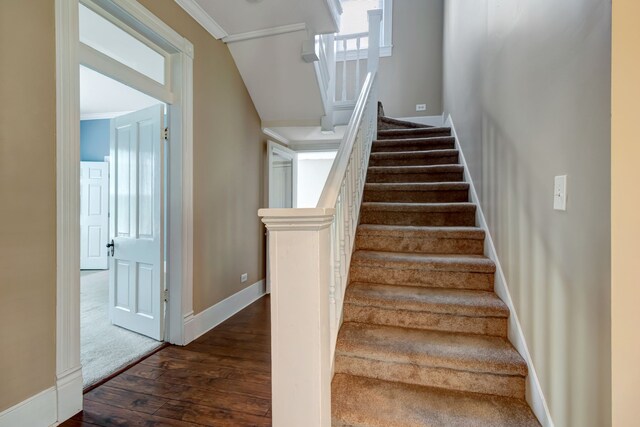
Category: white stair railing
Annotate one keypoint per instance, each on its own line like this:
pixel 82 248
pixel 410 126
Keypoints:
pixel 349 48
pixel 340 62
pixel 309 256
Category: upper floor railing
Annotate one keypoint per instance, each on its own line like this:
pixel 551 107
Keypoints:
pixel 309 257
pixel 342 64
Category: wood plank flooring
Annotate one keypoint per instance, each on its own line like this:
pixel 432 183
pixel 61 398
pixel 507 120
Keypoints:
pixel 221 379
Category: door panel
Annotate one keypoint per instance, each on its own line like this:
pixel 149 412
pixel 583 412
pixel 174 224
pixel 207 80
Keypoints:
pixel 94 215
pixel 136 280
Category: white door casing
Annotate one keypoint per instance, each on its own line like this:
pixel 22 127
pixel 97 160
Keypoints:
pixel 136 277
pixel 283 185
pixel 94 215
pixel 180 185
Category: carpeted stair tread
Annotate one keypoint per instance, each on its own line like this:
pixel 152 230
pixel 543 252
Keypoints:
pixel 428 173
pixel 416 169
pixel 414 158
pixel 414 144
pixel 416 261
pixel 406 238
pixel 418 192
pixel 423 232
pixel 438 309
pixel 450 214
pixel 414 133
pixel 434 300
pixel 434 349
pixel 417 186
pixel 366 402
pixel 420 207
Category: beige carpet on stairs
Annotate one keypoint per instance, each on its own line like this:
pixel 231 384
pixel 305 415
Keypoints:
pixel 424 338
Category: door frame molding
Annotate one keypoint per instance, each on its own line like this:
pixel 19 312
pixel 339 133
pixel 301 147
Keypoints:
pixel 179 197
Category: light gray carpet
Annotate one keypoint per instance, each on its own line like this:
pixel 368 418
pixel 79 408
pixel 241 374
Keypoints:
pixel 104 347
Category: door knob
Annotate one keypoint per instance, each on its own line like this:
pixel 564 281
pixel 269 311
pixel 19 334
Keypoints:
pixel 112 246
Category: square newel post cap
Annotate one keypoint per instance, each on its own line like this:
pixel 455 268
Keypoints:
pixel 297 218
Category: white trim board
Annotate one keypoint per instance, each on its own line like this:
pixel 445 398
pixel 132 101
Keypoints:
pixel 535 396
pixel 38 410
pixel 208 319
pixel 267 32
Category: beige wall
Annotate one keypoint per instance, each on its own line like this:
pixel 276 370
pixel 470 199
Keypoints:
pixel 28 207
pixel 625 224
pixel 528 86
pixel 413 74
pixel 228 171
pixel 228 167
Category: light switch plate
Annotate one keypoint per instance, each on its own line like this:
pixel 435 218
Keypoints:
pixel 243 278
pixel 560 193
pixel 421 107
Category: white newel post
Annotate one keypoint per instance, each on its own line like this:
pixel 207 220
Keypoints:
pixel 300 269
pixel 373 54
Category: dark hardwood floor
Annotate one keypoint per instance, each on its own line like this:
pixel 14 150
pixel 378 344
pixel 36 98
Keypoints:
pixel 221 379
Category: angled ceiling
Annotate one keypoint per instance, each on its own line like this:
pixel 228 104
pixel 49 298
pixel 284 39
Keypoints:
pixel 265 38
pixel 242 16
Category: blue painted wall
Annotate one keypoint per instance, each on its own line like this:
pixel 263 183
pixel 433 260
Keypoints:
pixel 94 140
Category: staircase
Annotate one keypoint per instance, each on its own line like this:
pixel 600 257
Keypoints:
pixel 423 340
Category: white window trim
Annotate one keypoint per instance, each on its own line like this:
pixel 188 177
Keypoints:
pixel 386 41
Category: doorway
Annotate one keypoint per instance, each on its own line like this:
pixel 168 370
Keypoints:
pixel 121 224
pixel 174 87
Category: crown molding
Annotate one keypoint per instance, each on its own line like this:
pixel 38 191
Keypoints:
pixel 203 18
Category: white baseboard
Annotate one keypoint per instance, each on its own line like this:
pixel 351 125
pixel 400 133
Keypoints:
pixel 49 407
pixel 37 411
pixel 203 322
pixel 69 391
pixel 535 396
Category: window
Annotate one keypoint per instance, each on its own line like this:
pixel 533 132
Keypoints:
pixel 354 20
pixel 106 37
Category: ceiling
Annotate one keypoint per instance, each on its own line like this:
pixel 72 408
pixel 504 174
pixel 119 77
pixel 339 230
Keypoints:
pixel 241 16
pixel 102 97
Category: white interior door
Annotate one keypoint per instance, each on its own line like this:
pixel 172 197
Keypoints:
pixel 136 284
pixel 94 215
pixel 283 176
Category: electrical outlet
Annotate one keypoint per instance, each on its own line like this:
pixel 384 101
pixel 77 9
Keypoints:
pixel 560 193
pixel 244 278
pixel 421 107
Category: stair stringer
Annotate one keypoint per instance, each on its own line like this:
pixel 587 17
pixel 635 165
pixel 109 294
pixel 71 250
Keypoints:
pixel 534 395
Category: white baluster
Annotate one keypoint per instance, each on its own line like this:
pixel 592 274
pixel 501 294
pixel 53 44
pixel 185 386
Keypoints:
pixel 344 217
pixel 344 71
pixel 333 324
pixel 356 87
